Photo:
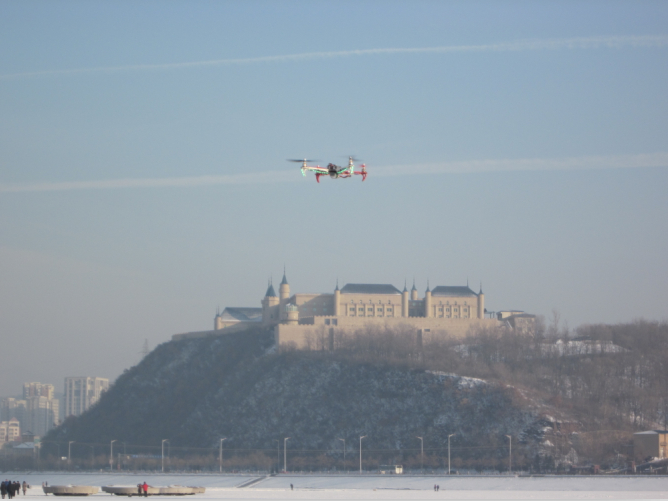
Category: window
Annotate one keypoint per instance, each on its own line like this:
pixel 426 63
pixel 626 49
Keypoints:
pixel 389 310
pixel 327 321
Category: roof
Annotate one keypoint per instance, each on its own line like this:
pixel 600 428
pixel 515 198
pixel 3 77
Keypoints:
pixel 370 289
pixel 453 290
pixel 25 445
pixel 242 315
pixel 270 291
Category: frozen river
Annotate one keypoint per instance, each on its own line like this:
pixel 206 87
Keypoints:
pixel 371 487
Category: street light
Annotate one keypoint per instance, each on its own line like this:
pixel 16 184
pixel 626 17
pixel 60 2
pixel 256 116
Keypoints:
pixel 361 453
pixel 69 450
pixel 285 454
pixel 278 454
pixel 510 453
pixel 220 454
pixel 163 453
pixel 452 435
pixel 421 453
pixel 111 455
pixel 344 451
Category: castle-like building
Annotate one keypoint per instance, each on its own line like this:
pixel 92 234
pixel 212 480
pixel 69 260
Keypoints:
pixel 443 311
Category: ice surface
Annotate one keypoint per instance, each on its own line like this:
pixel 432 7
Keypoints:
pixel 371 487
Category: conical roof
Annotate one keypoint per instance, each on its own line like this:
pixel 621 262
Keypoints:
pixel 270 291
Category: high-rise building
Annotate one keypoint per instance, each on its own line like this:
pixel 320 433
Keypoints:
pixel 10 431
pixel 37 412
pixel 12 408
pixel 37 390
pixel 83 392
pixel 42 415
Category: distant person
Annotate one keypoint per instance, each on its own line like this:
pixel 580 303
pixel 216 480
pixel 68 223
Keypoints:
pixel 25 487
pixel 140 490
pixel 434 487
pixel 3 489
pixel 438 487
pixel 145 487
pixel 292 487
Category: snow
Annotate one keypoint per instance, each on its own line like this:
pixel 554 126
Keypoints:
pixel 372 487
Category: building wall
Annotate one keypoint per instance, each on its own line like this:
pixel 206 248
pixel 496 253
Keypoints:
pixel 302 336
pixel 650 444
pixel 10 431
pixel 83 392
pixel 37 390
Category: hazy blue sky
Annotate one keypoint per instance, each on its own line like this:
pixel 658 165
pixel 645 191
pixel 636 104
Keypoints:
pixel 143 179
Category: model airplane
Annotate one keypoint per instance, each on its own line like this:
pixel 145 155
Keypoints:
pixel 333 171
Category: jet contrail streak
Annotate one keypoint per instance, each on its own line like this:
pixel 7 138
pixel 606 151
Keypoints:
pixel 614 42
pixel 470 166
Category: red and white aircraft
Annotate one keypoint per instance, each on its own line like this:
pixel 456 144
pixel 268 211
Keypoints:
pixel 333 171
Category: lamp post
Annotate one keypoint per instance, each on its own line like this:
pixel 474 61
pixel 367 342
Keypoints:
pixel 344 451
pixel 111 455
pixel 163 453
pixel 278 454
pixel 285 454
pixel 361 453
pixel 510 453
pixel 220 454
pixel 69 451
pixel 421 453
pixel 449 452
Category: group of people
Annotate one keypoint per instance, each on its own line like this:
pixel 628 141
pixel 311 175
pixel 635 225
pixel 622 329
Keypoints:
pixel 437 487
pixel 142 489
pixel 12 488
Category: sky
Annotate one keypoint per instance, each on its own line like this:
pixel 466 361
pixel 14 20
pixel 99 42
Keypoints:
pixel 144 182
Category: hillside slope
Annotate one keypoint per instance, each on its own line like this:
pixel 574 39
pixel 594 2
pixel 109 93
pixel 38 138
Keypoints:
pixel 197 391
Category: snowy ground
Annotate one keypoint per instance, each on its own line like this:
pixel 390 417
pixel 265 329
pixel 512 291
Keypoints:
pixel 371 487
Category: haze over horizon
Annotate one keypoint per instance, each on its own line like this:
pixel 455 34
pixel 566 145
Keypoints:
pixel 143 180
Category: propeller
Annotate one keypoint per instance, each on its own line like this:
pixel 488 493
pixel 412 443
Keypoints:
pixel 300 161
pixel 353 157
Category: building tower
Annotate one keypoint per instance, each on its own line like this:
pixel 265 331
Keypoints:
pixel 404 301
pixel 414 294
pixel 427 302
pixel 270 304
pixel 481 303
pixel 284 289
pixel 337 300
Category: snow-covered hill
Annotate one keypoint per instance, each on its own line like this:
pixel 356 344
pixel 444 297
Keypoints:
pixel 196 391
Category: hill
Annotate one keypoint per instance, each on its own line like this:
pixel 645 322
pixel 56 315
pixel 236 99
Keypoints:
pixel 194 392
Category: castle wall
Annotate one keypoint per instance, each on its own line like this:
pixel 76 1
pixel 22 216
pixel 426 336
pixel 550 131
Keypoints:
pixel 370 305
pixel 236 327
pixel 454 307
pixel 304 336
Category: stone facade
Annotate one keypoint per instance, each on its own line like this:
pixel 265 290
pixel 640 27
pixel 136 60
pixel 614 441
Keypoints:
pixel 296 318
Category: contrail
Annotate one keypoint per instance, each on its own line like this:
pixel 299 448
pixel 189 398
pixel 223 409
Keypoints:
pixel 614 42
pixel 470 166
pixel 530 164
